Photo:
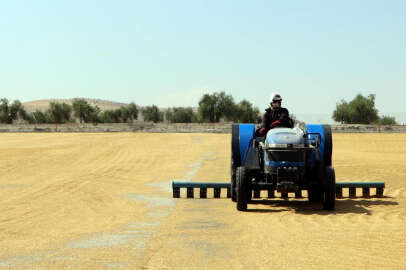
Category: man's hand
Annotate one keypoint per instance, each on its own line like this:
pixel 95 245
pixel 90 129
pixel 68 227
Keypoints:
pixel 275 123
pixel 261 132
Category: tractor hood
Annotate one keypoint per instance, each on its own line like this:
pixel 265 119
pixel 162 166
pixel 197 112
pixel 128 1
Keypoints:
pixel 284 136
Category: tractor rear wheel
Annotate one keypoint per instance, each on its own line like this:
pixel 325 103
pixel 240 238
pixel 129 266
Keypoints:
pixel 235 158
pixel 243 187
pixel 315 191
pixel 328 145
pixel 329 189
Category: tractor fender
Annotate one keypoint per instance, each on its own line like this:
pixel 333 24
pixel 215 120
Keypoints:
pixel 241 137
pixel 326 144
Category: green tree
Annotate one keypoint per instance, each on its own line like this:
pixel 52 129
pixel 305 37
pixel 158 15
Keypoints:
pixel 17 111
pixel 39 117
pixel 59 113
pixel 132 111
pixel 361 110
pixel 85 111
pixel 225 106
pixel 11 112
pixel 245 112
pixel 109 116
pixel 152 114
pixel 181 115
pixel 5 116
pixel 343 112
pixel 207 108
pixel 213 107
pixel 123 114
pixel 386 120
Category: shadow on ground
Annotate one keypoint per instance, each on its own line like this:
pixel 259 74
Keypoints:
pixel 359 206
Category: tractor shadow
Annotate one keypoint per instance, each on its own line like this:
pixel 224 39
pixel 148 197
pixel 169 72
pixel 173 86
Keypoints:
pixel 343 206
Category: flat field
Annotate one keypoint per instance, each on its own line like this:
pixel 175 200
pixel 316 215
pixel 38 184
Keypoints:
pixel 104 201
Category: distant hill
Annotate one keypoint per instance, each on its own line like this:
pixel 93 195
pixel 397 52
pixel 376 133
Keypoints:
pixel 43 104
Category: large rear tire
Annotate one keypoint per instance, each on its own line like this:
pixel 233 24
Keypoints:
pixel 315 191
pixel 328 145
pixel 235 158
pixel 243 187
pixel 329 189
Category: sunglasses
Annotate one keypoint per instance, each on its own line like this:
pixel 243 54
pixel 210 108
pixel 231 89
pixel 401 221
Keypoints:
pixel 277 101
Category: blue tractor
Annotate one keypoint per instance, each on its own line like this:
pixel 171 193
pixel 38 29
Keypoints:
pixel 285 160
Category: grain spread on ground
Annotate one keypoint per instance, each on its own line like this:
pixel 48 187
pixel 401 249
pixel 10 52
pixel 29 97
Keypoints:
pixel 104 201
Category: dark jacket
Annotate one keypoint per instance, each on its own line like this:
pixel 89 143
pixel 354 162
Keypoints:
pixel 273 119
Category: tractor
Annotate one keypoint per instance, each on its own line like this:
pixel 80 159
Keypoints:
pixel 285 160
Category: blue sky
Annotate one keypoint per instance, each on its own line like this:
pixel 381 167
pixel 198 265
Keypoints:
pixel 314 53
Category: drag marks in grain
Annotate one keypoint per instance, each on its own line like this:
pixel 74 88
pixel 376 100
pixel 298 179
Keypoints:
pixel 136 233
pixel 361 233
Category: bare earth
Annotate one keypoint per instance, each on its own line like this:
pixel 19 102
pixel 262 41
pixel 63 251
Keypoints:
pixel 103 201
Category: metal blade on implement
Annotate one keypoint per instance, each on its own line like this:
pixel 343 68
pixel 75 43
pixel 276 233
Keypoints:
pixel 203 186
pixel 365 186
pixel 257 187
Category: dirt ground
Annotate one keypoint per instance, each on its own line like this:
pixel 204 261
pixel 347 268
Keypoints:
pixel 104 201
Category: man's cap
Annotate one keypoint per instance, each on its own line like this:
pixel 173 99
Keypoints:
pixel 275 97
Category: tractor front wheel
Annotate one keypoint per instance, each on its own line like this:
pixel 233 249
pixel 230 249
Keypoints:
pixel 242 188
pixel 329 189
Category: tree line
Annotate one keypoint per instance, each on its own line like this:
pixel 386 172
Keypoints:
pixel 59 113
pixel 212 108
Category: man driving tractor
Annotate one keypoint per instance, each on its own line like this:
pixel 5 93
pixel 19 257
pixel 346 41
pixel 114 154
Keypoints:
pixel 275 116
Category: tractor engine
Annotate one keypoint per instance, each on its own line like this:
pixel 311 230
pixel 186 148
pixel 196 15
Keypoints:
pixel 285 158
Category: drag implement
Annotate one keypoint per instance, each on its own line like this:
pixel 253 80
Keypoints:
pixel 285 161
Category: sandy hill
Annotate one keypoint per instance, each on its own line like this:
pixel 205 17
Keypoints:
pixel 43 104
